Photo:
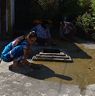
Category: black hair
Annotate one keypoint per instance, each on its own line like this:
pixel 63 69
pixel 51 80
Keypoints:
pixel 31 34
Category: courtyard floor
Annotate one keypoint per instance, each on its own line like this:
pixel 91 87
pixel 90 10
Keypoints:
pixel 54 78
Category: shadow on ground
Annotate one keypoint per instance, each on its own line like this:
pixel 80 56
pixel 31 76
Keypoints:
pixel 73 50
pixel 42 73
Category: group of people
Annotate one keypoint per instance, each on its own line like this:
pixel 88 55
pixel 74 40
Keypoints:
pixel 20 48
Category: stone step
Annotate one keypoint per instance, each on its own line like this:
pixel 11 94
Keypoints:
pixel 58 54
pixel 52 56
pixel 52 59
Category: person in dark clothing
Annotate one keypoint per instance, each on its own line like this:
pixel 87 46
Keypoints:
pixel 43 34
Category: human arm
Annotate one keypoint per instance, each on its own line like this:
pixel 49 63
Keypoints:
pixel 26 54
pixel 18 40
pixel 26 62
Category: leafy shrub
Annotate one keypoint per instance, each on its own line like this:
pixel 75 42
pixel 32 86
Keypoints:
pixel 83 21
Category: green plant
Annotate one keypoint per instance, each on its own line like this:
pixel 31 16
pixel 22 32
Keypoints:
pixel 87 21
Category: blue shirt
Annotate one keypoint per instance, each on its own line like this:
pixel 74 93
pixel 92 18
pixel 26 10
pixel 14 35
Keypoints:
pixel 16 51
pixel 42 32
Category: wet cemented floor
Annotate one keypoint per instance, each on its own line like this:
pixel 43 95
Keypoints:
pixel 54 78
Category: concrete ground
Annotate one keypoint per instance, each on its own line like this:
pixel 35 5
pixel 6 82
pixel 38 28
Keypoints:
pixel 54 78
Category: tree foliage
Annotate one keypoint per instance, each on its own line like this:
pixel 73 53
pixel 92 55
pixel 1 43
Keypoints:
pixel 87 19
pixel 81 11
